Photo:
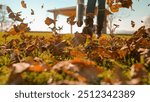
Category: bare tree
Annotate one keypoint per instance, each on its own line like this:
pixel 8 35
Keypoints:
pixel 5 22
pixel 71 21
pixel 110 23
pixel 115 17
pixel 2 16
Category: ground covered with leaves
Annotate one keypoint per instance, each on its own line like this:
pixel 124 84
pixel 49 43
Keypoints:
pixel 76 59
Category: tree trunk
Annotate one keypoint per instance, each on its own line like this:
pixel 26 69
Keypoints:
pixel 71 28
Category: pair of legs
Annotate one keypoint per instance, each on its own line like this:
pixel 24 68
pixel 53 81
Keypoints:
pixel 91 4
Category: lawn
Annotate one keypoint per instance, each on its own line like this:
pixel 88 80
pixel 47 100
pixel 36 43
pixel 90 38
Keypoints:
pixel 42 58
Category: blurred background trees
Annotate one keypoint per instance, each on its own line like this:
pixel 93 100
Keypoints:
pixel 5 22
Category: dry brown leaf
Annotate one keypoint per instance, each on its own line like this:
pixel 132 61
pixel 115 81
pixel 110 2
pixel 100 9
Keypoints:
pixel 17 18
pixel 133 24
pixel 115 5
pixel 32 12
pixel 16 28
pixel 79 39
pixel 20 67
pixel 79 69
pixel 70 20
pixel 8 9
pixel 115 8
pixel 116 25
pixel 66 82
pixel 122 53
pixel 137 70
pixel 143 51
pixel 36 68
pixel 148 60
pixel 142 21
pixel 42 6
pixel 126 3
pixel 77 53
pixel 134 81
pixel 120 20
pixel 12 31
pixel 23 26
pixel 49 21
pixel 23 4
pixel 12 15
pixel 107 12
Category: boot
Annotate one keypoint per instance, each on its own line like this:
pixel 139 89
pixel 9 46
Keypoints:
pixel 98 32
pixel 88 29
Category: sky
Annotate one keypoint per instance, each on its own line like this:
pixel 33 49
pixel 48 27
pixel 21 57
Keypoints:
pixel 141 12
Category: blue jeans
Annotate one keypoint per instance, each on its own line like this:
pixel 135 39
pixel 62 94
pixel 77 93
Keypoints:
pixel 101 12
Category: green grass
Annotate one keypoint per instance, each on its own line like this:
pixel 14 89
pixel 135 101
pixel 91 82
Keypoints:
pixel 124 35
pixel 2 40
pixel 49 34
pixel 104 60
pixel 39 34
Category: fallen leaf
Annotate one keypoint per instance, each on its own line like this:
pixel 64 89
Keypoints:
pixel 79 39
pixel 79 69
pixel 36 68
pixel 134 81
pixel 20 67
pixel 66 82
pixel 107 12
pixel 137 70
pixel 16 28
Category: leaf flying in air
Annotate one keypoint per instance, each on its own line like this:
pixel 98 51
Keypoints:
pixel 32 12
pixel 23 4
pixel 142 21
pixel 120 20
pixel 9 9
pixel 132 24
pixel 49 21
pixel 116 25
pixel 42 6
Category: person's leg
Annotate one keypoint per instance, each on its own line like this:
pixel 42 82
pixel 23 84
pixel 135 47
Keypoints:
pixel 100 16
pixel 90 12
pixel 88 29
pixel 90 6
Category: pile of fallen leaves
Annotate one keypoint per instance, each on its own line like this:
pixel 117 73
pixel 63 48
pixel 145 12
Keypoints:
pixel 78 60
